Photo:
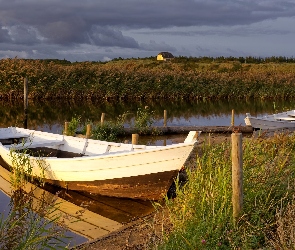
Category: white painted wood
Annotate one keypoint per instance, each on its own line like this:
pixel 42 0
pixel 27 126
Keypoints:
pixel 139 147
pixel 121 147
pixel 37 144
pixel 192 136
pixel 104 160
pixel 11 132
pixel 94 147
pixel 74 144
pixel 275 121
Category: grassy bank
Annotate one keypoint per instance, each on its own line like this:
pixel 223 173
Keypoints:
pixel 148 79
pixel 201 214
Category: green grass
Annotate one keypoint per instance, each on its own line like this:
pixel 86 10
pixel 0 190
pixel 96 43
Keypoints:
pixel 202 212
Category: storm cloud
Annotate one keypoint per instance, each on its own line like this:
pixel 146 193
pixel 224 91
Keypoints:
pixel 132 28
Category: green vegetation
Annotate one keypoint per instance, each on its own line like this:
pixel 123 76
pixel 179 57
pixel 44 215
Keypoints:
pixel 144 120
pixel 130 79
pixel 23 170
pixel 72 126
pixel 112 130
pixel 201 214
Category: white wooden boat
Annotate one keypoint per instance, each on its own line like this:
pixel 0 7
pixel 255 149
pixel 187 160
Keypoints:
pixel 272 122
pixel 106 168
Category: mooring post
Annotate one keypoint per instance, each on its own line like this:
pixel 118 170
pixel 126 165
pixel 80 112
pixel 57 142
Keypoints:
pixel 26 102
pixel 165 118
pixel 88 131
pixel 135 139
pixel 102 118
pixel 237 173
pixel 66 130
pixel 233 117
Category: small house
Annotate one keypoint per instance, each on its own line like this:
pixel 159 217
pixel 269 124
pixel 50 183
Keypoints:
pixel 164 56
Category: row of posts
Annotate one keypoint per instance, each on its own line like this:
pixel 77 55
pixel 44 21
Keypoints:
pixel 165 118
pixel 237 153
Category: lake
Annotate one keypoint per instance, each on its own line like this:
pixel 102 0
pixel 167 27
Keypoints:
pixel 50 116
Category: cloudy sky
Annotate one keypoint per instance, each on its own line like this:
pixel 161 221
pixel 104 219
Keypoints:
pixel 99 30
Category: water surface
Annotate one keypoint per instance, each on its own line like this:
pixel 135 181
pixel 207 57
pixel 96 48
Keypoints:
pixel 51 115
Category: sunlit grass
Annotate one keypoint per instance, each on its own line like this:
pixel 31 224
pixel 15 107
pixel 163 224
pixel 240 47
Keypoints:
pixel 202 212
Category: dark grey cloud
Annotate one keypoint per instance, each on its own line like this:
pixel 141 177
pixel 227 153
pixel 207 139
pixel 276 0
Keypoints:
pixel 20 34
pixel 219 31
pixel 63 31
pixel 83 15
pixel 4 36
pixel 106 36
pixel 153 46
pixel 51 26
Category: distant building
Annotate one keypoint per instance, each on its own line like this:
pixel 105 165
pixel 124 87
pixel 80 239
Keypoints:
pixel 164 56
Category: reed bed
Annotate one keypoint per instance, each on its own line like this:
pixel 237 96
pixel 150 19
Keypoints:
pixel 201 214
pixel 147 79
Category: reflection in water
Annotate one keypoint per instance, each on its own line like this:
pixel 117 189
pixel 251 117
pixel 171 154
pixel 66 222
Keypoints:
pixel 117 209
pixel 51 115
pixel 32 202
pixel 88 216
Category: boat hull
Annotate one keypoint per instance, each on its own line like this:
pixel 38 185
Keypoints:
pixel 145 187
pixel 271 122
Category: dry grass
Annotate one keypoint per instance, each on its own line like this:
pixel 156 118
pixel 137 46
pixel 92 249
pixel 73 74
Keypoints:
pixel 284 235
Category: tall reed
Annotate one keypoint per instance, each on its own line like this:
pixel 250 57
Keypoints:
pixel 202 212
pixel 147 79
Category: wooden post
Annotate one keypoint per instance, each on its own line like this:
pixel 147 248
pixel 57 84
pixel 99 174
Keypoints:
pixel 135 139
pixel 88 131
pixel 26 102
pixel 165 118
pixel 26 93
pixel 102 118
pixel 209 139
pixel 233 117
pixel 66 131
pixel 237 173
